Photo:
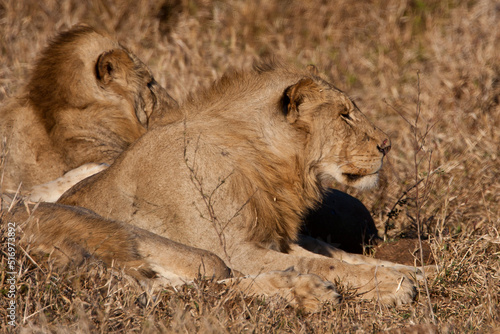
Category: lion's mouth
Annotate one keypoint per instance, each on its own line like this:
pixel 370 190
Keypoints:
pixel 361 181
pixel 353 177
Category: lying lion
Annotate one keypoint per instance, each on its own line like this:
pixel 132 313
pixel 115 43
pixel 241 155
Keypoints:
pixel 87 100
pixel 226 186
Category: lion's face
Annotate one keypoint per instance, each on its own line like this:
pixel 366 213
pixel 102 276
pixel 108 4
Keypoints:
pixel 121 73
pixel 346 146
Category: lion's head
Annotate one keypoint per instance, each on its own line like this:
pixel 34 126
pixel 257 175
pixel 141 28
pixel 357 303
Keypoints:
pixel 354 156
pixel 88 98
pixel 93 96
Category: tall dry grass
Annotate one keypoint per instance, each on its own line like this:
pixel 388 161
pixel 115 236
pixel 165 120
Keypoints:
pixel 374 50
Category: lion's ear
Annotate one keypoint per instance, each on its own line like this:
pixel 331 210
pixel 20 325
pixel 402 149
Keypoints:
pixel 294 96
pixel 313 69
pixel 112 65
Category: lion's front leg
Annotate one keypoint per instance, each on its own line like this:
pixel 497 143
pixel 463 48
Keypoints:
pixel 385 284
pixel 309 245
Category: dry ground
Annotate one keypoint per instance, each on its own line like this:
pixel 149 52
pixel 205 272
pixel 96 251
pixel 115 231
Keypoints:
pixel 398 59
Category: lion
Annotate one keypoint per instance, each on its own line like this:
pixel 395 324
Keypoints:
pixel 87 100
pixel 222 192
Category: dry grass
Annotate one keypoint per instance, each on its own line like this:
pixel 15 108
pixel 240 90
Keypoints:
pixel 371 49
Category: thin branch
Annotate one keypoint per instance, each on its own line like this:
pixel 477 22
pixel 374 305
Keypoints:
pixel 398 112
pixel 209 197
pixel 417 194
pixel 418 149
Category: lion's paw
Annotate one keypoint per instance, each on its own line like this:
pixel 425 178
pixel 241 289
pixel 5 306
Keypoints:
pixel 416 272
pixel 389 286
pixel 51 191
pixel 308 291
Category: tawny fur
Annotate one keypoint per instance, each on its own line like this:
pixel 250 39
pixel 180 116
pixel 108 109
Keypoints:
pixel 72 235
pixel 74 243
pixel 87 100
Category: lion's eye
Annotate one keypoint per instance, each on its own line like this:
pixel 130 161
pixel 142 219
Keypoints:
pixel 151 83
pixel 345 114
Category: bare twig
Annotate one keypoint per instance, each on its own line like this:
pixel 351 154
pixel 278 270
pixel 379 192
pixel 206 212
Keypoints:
pixel 419 155
pixel 419 144
pixel 209 197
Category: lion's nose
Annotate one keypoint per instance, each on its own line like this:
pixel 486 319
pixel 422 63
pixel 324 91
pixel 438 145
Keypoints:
pixel 385 147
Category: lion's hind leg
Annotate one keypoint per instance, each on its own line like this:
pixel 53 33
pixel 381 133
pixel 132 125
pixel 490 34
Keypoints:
pixel 177 263
pixel 72 235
